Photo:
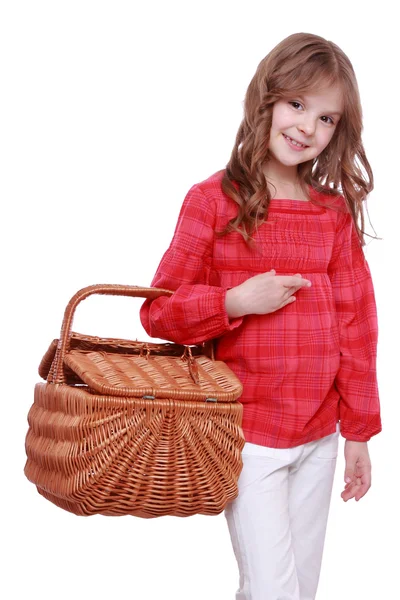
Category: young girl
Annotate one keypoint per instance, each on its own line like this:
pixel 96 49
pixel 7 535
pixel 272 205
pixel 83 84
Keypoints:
pixel 267 260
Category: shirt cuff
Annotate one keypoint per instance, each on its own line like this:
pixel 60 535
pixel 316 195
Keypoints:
pixel 229 323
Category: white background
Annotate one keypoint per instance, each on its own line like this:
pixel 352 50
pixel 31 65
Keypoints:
pixel 110 112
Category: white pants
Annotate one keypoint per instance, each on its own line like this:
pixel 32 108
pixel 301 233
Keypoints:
pixel 278 521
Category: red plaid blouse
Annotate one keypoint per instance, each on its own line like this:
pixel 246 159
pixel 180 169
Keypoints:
pixel 303 367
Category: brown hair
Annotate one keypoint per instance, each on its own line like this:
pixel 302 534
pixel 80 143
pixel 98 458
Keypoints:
pixel 300 63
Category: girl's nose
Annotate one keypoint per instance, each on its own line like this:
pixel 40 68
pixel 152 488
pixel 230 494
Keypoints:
pixel 307 127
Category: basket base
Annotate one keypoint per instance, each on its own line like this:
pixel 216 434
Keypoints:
pixel 80 509
pixel 91 454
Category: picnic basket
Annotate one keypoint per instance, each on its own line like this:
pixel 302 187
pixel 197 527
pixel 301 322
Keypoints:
pixel 123 427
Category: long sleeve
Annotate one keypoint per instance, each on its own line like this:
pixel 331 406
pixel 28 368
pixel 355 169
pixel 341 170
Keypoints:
pixel 196 311
pixel 354 296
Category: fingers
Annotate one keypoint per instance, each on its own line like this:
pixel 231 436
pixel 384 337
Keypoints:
pixel 357 488
pixel 293 284
pixel 292 281
pixel 295 281
pixel 290 284
pixel 354 491
pixel 288 300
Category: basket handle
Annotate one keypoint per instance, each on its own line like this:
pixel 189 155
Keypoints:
pixel 57 373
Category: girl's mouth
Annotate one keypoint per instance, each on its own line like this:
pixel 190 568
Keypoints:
pixel 293 144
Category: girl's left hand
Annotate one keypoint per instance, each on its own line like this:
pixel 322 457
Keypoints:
pixel 357 473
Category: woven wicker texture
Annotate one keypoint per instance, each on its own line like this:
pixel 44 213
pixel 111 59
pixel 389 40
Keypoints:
pixel 158 376
pixel 122 427
pixel 118 346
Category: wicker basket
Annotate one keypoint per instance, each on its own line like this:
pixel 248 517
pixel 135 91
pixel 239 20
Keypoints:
pixel 124 427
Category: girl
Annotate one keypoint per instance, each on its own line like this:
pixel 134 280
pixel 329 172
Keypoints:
pixel 267 259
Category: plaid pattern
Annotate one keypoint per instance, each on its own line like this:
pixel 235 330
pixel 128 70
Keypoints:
pixel 304 366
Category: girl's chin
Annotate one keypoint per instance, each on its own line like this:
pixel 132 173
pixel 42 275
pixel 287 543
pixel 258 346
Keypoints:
pixel 290 161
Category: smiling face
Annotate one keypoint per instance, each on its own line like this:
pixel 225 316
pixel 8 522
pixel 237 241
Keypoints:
pixel 309 120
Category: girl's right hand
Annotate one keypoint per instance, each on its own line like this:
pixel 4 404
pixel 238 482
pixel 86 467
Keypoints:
pixel 262 294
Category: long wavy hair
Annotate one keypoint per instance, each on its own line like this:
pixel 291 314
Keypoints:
pixel 301 63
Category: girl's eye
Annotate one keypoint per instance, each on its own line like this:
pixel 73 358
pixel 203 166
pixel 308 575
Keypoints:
pixel 296 104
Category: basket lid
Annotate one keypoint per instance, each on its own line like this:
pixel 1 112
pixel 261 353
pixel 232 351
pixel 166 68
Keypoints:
pixel 174 377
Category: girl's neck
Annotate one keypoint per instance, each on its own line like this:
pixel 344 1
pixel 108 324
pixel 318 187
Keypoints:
pixel 281 175
pixel 284 189
pixel 283 181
